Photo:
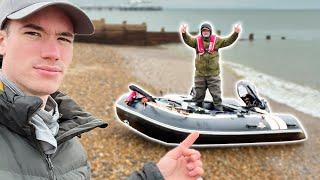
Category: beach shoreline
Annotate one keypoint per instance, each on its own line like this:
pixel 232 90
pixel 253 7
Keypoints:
pixel 105 71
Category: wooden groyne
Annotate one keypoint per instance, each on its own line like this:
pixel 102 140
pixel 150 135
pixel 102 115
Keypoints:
pixel 136 34
pixel 129 34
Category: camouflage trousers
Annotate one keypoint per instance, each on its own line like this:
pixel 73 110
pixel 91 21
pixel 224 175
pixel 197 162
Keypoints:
pixel 202 83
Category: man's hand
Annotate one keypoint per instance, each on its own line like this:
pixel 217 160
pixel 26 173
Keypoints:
pixel 237 28
pixel 182 163
pixel 183 28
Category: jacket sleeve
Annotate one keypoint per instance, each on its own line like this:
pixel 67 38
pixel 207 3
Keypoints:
pixel 229 40
pixel 149 172
pixel 189 40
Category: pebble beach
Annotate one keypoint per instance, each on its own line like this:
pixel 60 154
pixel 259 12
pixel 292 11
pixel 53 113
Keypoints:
pixel 99 74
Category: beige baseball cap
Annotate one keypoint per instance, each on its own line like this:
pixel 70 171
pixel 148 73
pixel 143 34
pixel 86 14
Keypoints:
pixel 19 9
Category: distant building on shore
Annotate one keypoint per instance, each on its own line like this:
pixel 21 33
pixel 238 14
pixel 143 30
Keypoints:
pixel 123 8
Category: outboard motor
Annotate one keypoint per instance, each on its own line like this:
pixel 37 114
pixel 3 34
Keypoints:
pixel 247 92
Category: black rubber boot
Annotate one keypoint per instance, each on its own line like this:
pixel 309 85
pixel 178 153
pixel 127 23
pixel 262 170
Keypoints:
pixel 218 107
pixel 199 104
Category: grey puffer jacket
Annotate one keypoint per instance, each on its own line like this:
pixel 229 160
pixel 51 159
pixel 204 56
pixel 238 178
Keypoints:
pixel 21 156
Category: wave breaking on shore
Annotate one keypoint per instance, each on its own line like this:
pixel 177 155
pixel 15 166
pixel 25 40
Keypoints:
pixel 301 98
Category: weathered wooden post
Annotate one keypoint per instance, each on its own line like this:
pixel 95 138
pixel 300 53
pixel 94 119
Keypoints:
pixel 251 37
pixel 99 25
pixel 144 24
pixel 268 37
pixel 164 36
pixel 125 32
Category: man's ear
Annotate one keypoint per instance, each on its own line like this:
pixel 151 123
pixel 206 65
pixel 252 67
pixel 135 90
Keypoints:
pixel 3 36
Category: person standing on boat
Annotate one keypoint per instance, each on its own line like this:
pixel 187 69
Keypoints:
pixel 207 71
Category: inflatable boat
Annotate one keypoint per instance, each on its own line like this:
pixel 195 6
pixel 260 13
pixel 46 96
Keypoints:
pixel 169 119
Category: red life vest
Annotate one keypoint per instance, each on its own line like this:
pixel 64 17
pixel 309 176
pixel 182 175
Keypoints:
pixel 200 45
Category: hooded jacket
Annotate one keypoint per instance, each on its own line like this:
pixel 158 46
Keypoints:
pixel 21 156
pixel 207 64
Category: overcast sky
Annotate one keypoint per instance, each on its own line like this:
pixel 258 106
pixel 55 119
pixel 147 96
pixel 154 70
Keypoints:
pixel 242 4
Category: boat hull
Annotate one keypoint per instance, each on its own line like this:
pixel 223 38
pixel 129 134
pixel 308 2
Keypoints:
pixel 161 125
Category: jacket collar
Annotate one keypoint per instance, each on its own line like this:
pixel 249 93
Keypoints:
pixel 18 110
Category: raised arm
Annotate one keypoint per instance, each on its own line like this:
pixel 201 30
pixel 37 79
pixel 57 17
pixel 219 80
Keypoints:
pixel 224 42
pixel 189 40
